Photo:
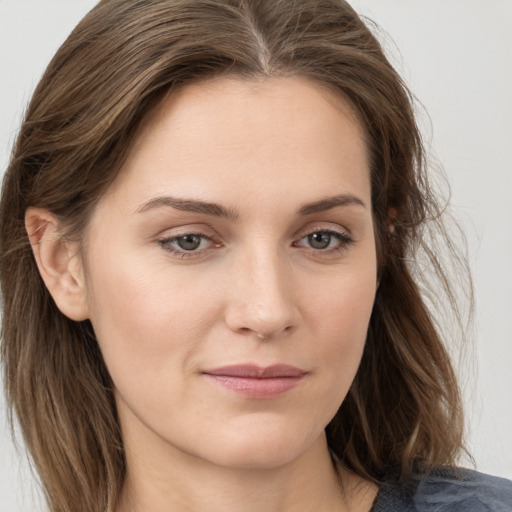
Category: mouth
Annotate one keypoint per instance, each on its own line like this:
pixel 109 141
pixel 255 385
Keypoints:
pixel 256 382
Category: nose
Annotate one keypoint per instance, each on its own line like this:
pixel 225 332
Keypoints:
pixel 263 300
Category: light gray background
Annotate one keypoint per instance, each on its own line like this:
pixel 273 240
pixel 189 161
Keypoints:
pixel 456 55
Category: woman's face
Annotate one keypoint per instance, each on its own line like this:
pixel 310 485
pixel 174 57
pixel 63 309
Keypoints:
pixel 232 271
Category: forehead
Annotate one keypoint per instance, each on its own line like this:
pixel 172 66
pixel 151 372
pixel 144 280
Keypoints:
pixel 239 105
pixel 221 135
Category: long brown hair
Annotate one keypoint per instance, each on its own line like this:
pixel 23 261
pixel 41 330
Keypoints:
pixel 403 408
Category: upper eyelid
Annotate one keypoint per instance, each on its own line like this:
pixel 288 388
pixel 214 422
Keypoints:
pixel 301 233
pixel 342 237
pixel 210 233
pixel 185 233
pixel 179 231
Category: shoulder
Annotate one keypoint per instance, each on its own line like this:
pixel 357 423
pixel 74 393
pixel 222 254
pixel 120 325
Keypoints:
pixel 447 490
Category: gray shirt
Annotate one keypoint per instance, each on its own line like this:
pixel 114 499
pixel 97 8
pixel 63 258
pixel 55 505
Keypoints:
pixel 446 490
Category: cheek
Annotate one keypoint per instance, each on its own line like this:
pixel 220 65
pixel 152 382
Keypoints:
pixel 346 304
pixel 341 321
pixel 148 321
pixel 341 317
pixel 149 340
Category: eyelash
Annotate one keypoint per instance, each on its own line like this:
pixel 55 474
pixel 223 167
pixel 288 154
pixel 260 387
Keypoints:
pixel 344 240
pixel 165 243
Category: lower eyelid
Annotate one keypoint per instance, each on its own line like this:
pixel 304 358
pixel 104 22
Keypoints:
pixel 168 244
pixel 342 243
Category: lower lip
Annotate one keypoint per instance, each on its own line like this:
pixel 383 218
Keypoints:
pixel 262 388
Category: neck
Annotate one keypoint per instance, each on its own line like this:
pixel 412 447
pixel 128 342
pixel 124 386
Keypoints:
pixel 182 483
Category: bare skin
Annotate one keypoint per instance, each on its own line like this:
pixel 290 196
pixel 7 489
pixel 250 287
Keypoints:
pixel 238 234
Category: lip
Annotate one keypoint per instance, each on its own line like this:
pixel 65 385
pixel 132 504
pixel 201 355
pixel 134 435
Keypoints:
pixel 257 382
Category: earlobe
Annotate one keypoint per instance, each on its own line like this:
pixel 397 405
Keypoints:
pixel 59 263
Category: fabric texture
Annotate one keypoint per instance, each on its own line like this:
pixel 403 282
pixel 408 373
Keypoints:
pixel 447 490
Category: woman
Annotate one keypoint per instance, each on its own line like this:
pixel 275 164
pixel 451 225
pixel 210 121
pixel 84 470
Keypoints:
pixel 206 228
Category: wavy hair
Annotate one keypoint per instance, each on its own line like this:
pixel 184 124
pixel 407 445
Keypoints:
pixel 404 406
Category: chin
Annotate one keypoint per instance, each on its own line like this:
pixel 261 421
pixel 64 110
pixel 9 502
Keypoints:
pixel 264 449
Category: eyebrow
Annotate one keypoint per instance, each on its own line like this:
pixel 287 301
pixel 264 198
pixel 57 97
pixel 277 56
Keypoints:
pixel 329 203
pixel 216 210
pixel 189 205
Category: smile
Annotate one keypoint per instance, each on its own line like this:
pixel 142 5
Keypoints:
pixel 256 382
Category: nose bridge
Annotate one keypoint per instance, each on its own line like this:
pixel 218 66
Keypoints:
pixel 265 302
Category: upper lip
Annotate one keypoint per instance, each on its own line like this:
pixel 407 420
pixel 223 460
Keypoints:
pixel 252 371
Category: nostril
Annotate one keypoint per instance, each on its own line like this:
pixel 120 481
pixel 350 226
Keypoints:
pixel 268 336
pixel 262 313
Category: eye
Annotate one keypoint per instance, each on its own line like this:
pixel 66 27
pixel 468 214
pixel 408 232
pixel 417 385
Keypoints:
pixel 325 240
pixel 189 242
pixel 186 244
pixel 320 240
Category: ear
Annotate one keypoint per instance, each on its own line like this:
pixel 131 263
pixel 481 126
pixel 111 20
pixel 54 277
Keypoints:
pixel 59 263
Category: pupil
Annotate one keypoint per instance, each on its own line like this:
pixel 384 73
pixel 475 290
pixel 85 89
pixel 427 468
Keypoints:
pixel 319 240
pixel 189 242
